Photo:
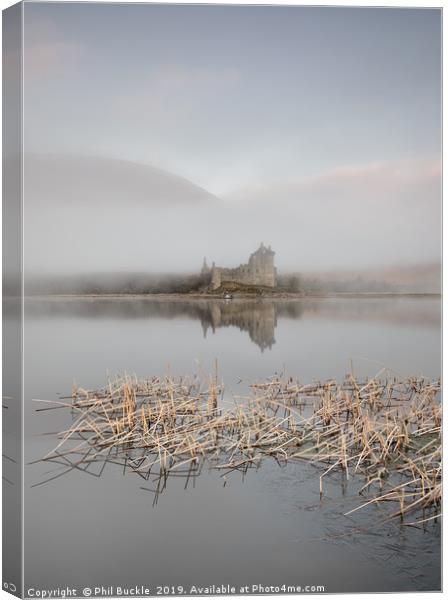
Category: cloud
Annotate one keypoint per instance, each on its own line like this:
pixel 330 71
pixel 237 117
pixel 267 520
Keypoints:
pixel 44 58
pixel 46 52
pixel 172 92
pixel 180 78
pixel 390 173
pixel 377 177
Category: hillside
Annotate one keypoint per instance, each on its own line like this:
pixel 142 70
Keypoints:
pixel 85 180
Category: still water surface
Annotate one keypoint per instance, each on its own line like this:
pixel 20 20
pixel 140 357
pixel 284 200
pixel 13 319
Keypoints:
pixel 271 528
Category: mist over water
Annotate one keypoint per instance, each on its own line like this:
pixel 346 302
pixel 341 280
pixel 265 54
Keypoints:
pixel 97 215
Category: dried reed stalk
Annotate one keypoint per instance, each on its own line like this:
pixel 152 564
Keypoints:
pixel 386 429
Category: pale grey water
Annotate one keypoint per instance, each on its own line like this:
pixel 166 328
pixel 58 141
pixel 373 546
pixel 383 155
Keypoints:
pixel 270 528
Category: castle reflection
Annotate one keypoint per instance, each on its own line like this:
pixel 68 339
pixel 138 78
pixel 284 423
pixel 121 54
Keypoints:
pixel 259 319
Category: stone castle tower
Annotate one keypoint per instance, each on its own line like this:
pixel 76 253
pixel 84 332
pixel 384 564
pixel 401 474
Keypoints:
pixel 260 270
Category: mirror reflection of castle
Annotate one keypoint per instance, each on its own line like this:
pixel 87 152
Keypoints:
pixel 258 318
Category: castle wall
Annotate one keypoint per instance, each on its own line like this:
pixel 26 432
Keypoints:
pixel 216 278
pixel 259 270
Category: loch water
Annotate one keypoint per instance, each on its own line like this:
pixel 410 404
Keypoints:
pixel 269 528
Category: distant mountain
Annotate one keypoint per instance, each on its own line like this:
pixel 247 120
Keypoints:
pixel 85 180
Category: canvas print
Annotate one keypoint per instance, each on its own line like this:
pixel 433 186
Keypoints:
pixel 222 299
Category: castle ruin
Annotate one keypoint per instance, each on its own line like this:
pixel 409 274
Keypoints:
pixel 260 270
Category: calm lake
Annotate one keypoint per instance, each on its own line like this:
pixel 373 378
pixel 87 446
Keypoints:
pixel 270 528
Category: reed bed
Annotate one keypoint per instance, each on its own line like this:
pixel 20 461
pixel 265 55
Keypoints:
pixel 383 432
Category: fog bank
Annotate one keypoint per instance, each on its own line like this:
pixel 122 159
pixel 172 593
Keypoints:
pixel 88 215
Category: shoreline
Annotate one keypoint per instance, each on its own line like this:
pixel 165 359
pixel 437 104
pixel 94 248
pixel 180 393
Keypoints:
pixel 194 296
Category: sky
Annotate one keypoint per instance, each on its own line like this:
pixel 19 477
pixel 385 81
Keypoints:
pixel 296 119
